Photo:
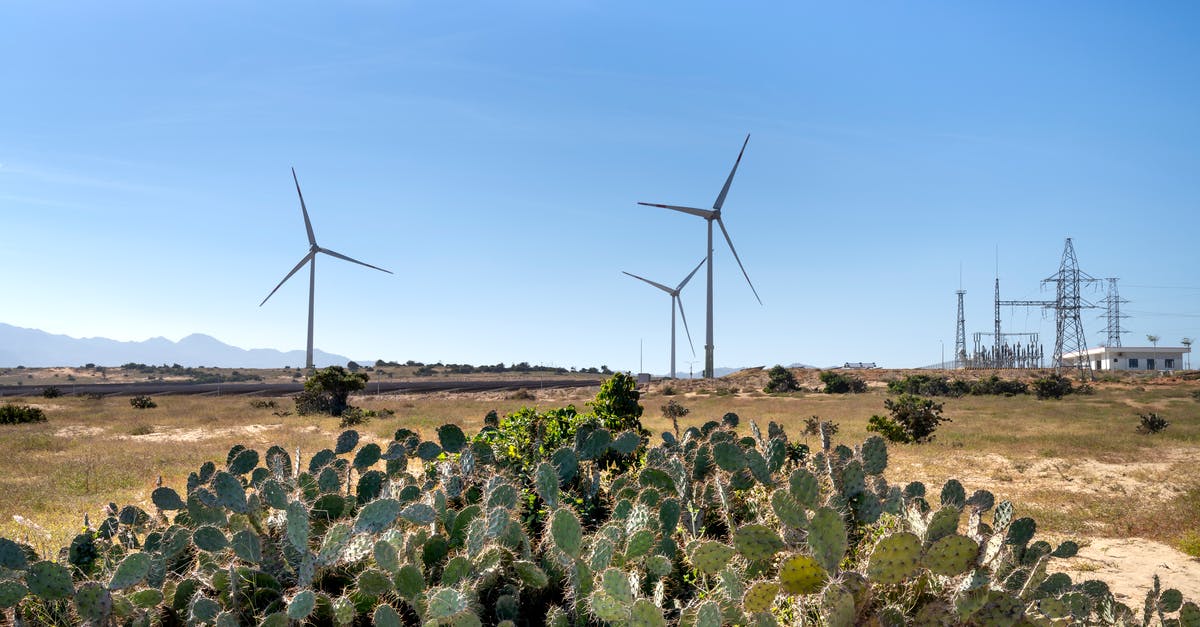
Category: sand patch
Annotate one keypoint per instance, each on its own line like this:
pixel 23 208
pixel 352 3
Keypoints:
pixel 74 431
pixel 195 435
pixel 1128 567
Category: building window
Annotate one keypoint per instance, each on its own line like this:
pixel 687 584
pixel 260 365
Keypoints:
pixel 1150 364
pixel 1133 362
pixel 1169 364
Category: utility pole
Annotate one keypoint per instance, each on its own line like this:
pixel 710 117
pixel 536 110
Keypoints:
pixel 1112 314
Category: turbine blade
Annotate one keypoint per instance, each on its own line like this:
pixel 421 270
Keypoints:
pixel 703 213
pixel 729 241
pixel 729 181
pixel 658 285
pixel 689 277
pixel 312 240
pixel 341 256
pixel 685 327
pixel 289 275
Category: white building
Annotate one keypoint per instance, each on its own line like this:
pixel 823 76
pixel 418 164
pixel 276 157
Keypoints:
pixel 1131 357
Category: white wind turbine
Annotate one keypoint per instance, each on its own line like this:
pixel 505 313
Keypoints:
pixel 311 259
pixel 674 299
pixel 714 215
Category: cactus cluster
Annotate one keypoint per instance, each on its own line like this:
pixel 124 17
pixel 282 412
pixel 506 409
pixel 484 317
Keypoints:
pixel 709 528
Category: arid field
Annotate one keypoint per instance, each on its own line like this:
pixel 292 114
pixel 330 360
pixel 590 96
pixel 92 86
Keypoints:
pixel 1076 465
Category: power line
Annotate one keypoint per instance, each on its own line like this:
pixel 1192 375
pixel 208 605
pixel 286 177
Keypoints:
pixel 1164 287
pixel 1161 313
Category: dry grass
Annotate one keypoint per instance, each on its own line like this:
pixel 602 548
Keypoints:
pixel 1076 465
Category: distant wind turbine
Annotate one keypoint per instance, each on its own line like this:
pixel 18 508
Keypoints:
pixel 311 259
pixel 714 215
pixel 674 299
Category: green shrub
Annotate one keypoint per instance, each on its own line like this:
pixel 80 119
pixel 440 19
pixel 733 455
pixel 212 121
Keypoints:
pixel 921 384
pixel 51 391
pixel 328 390
pixel 781 380
pixel 913 419
pixel 1150 423
pixel 12 414
pixel 260 403
pixel 995 386
pixel 1052 386
pixel 674 411
pixel 142 402
pixel 616 404
pixel 838 383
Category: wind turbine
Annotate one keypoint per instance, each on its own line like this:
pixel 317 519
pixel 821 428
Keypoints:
pixel 311 259
pixel 714 215
pixel 674 299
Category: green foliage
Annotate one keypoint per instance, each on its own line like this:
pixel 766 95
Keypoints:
pixel 780 380
pixel 142 402
pixel 577 524
pixel 995 386
pixel 932 385
pixel 616 404
pixel 12 414
pixel 51 391
pixel 913 419
pixel 838 383
pixel 1151 422
pixel 327 391
pixel 1052 386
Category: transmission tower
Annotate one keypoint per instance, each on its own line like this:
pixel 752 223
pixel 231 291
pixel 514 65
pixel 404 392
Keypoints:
pixel 1112 314
pixel 960 335
pixel 1069 336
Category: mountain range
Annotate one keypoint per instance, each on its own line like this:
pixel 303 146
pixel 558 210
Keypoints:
pixel 35 348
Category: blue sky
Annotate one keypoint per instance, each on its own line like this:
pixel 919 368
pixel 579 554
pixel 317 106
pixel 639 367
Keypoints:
pixel 492 154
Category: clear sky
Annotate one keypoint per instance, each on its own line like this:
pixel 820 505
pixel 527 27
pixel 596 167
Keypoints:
pixel 492 154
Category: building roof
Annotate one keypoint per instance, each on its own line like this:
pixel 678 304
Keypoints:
pixel 1154 350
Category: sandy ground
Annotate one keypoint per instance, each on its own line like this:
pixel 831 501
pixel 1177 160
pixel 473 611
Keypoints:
pixel 1128 566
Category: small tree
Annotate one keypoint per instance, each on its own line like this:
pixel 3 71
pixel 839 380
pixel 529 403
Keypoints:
pixel 327 391
pixel 1150 423
pixel 51 391
pixel 913 419
pixel 617 403
pixel 837 383
pixel 1153 339
pixel 1053 386
pixel 781 380
pixel 674 411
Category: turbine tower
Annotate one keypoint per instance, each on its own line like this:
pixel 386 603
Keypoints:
pixel 674 299
pixel 714 215
pixel 311 259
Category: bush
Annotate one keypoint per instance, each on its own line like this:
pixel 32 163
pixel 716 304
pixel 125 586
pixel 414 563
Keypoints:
pixel 51 391
pixel 913 419
pixel 11 414
pixel 327 391
pixel 995 386
pixel 1052 386
pixel 922 384
pixel 142 402
pixel 668 391
pixel 781 380
pixel 838 383
pixel 674 411
pixel 260 403
pixel 616 404
pixel 1196 394
pixel 1150 423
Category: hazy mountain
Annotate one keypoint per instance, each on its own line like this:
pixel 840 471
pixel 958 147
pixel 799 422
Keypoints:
pixel 34 348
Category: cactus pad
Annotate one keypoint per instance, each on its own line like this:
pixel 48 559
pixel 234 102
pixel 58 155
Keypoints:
pixel 708 615
pixel 566 463
pixel 11 593
pixel 760 596
pixel 874 455
pixel 607 608
pixel 803 487
pixel 49 581
pixel 728 456
pixel 445 602
pixel 209 538
pixel 247 546
pixel 639 544
pixel 801 574
pixel 343 611
pixel 367 456
pixel 711 557
pixel 297 525
pixel 837 607
pixel 1020 531
pixel 645 614
pixel 827 537
pixel 301 605
pixel 896 558
pixel 230 493
pixel 626 443
pixel 757 542
pixel 428 451
pixel 410 583
pixel 346 442
pixel 416 513
pixel 451 437
pixel 1003 515
pixel 243 462
pixel 530 575
pixel 545 481
pixel 166 499
pixel 615 583
pixel 374 582
pixel 951 555
pixel 566 532
pixel 93 602
pixel 335 540
pixel 853 481
pixel 131 571
pixel 943 523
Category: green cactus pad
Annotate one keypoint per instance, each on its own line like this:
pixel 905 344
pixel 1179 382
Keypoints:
pixel 640 543
pixel 566 532
pixel 301 605
pixel 874 455
pixel 645 614
pixel 837 607
pixel 1066 550
pixel 943 523
pixel 601 554
pixel 853 481
pixel 370 486
pixel 803 487
pixel 243 462
pixel 702 464
pixel 1000 609
pixel 953 494
pixel 658 479
pixel 1003 515
pixel 827 537
pixel 386 556
pixel 131 571
pixel 801 574
pixel 297 525
pixel 758 467
pixel 374 582
pixel 566 463
pixel 203 609
pixel 93 602
pixel 452 438
pixel 951 555
pixel 343 611
pixel 273 494
pixel 1170 600
pixel 669 512
pixel 545 482
pixel 330 480
pixel 416 513
pixel 209 538
pixel 708 615
pixel 607 608
pixel 896 558
pixel 626 443
pixel 230 493
pixel 367 456
pixel 146 598
pixel 615 583
pixel 658 566
pixel 247 546
pixel 428 451
pixel 757 542
pixel 445 602
pixel 596 444
pixel 166 499
pixel 410 583
pixel 1189 615
pixel 711 557
pixel 12 556
pixel 867 508
pixel 530 575
pixel 11 593
pixel 1020 531
pixel 331 546
pixel 728 456
pixel 760 596
pixel 346 442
